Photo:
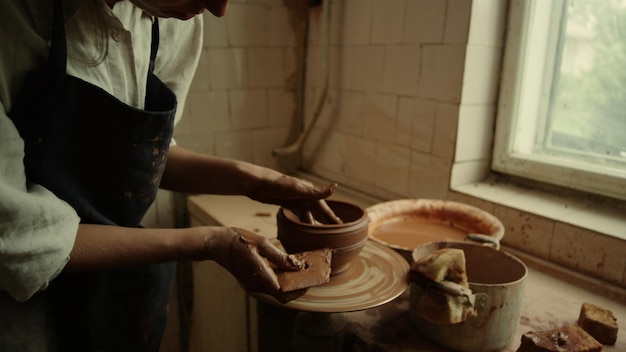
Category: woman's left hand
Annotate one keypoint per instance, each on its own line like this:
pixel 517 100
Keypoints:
pixel 295 194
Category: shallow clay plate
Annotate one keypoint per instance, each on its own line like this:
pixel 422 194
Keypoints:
pixel 405 224
pixel 375 277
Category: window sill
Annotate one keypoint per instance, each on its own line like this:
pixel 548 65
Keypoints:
pixel 583 234
pixel 590 214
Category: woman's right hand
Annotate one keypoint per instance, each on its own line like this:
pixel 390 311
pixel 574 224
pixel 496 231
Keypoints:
pixel 251 259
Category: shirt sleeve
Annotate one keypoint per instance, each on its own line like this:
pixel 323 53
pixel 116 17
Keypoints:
pixel 37 229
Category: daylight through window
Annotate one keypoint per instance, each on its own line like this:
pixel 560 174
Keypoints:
pixel 562 109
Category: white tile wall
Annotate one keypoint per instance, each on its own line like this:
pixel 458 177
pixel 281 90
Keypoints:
pixel 392 77
pixel 480 81
pixel 215 32
pixel 243 101
pixel 388 21
pixel 458 21
pixel 379 117
pixel 476 122
pixel 279 31
pixel 247 24
pixel 425 21
pixel 445 131
pixel 422 115
pixel 227 68
pixel 427 177
pixel 392 168
pixel 488 19
pixel 248 108
pixel 353 21
pixel 281 107
pixel 350 109
pixel 399 74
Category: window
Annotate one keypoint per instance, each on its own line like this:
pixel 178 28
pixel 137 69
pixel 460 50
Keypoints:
pixel 562 108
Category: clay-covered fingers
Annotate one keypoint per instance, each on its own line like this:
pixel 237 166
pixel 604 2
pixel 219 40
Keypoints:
pixel 279 258
pixel 248 266
pixel 252 260
pixel 316 213
pixel 328 213
pixel 291 192
pixel 292 187
pixel 266 249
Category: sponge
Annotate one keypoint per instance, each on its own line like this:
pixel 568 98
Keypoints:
pixel 315 271
pixel 599 323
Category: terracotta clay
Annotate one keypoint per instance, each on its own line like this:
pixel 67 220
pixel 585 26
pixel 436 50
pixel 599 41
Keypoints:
pixel 345 239
pixel 316 271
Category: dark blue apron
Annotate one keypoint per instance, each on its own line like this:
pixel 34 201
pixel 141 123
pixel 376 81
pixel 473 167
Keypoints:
pixel 106 159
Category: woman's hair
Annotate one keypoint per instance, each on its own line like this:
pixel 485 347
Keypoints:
pixel 97 35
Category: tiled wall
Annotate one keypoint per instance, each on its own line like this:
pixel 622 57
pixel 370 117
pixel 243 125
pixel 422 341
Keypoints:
pixel 410 106
pixel 246 94
pixel 396 72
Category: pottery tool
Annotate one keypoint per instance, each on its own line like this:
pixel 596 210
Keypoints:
pixel 315 272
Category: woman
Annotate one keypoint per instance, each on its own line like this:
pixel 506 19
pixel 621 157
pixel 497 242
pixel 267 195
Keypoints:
pixel 89 94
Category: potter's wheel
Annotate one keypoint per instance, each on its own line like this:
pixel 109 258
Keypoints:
pixel 377 276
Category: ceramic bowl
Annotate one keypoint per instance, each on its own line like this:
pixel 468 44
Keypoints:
pixel 345 240
pixel 405 224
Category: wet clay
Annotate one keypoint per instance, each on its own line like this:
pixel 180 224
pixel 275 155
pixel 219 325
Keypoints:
pixel 410 232
pixel 315 272
pixel 345 239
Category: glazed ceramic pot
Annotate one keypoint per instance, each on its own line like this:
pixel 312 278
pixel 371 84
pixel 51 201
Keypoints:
pixel 405 224
pixel 345 240
pixel 497 279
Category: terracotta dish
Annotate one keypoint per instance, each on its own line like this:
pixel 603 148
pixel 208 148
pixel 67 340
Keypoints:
pixel 405 224
pixel 345 240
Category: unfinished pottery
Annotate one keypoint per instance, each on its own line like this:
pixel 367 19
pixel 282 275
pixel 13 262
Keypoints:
pixel 345 240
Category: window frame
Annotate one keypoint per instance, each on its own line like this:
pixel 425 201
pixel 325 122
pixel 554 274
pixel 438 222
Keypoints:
pixel 518 98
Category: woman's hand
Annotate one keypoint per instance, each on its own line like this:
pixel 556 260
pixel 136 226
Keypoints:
pixel 297 195
pixel 251 259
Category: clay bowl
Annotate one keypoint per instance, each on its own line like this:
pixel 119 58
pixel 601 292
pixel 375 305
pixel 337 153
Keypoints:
pixel 345 240
pixel 405 224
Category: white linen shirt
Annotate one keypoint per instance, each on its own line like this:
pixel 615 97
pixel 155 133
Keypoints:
pixel 110 50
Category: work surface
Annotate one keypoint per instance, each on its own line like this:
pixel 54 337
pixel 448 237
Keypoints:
pixel 552 298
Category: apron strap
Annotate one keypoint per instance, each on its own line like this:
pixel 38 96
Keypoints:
pixel 154 47
pixel 57 58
